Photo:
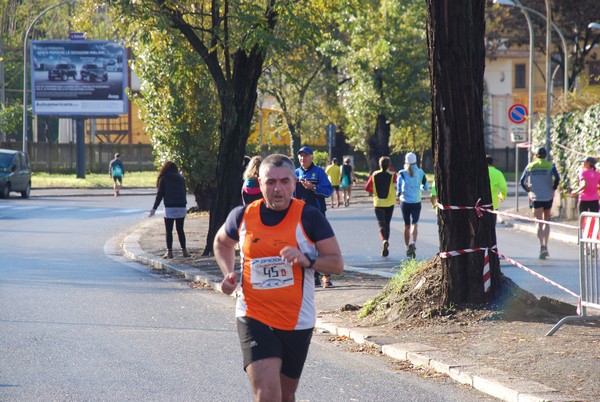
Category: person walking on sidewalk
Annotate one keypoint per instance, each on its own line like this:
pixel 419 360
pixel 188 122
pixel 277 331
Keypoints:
pixel 346 181
pixel 334 173
pixel 116 170
pixel 498 185
pixel 171 188
pixel 589 186
pixel 540 179
pixel 250 189
pixel 411 180
pixel 312 187
pixel 381 185
pixel 281 241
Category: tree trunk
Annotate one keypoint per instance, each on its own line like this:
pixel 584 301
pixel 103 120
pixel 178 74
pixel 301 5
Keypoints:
pixel 455 33
pixel 378 144
pixel 295 140
pixel 203 194
pixel 237 107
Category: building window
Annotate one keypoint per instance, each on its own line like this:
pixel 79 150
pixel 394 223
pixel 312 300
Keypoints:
pixel 520 79
pixel 595 73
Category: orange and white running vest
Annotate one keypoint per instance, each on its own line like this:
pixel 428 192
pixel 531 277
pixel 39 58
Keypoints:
pixel 275 292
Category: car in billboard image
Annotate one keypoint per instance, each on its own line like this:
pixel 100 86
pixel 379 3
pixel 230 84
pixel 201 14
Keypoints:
pixel 62 71
pixel 93 72
pixel 113 65
pixel 15 173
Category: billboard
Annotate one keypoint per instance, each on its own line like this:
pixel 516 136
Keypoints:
pixel 78 78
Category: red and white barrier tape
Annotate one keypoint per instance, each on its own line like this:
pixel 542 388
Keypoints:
pixel 591 228
pixel 525 218
pixel 487 208
pixel 478 208
pixel 454 253
pixel 487 275
pixel 542 277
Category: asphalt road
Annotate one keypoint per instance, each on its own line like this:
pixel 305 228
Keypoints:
pixel 79 322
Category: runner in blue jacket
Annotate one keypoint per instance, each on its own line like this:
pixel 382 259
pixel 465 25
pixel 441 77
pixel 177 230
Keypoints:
pixel 411 180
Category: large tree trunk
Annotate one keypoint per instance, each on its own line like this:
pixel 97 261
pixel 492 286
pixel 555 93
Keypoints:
pixel 455 33
pixel 378 144
pixel 236 86
pixel 295 140
pixel 237 107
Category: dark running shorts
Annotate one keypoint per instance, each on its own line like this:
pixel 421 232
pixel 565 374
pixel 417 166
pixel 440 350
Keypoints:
pixel 411 212
pixel 541 204
pixel 589 206
pixel 336 187
pixel 259 341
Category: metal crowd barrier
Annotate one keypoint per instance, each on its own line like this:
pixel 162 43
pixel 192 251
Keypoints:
pixel 589 269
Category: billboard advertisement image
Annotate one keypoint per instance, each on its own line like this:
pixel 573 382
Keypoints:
pixel 78 78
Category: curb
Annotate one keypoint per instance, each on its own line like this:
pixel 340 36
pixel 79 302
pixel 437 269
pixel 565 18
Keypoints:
pixel 487 380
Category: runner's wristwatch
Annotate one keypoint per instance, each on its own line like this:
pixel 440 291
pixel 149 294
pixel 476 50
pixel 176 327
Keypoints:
pixel 311 260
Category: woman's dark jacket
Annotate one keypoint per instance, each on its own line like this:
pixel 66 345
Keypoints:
pixel 171 188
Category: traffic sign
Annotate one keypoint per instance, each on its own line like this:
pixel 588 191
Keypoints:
pixel 518 133
pixel 517 113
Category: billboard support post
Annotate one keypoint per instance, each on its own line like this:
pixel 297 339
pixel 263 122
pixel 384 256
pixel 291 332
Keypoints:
pixel 80 143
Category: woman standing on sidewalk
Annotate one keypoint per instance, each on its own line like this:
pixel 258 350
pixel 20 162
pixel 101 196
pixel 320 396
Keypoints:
pixel 589 185
pixel 171 187
pixel 411 180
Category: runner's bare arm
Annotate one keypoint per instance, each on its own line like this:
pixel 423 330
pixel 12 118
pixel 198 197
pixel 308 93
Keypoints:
pixel 328 261
pixel 224 248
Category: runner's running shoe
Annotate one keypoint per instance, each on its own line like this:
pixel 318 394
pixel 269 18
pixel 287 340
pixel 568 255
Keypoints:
pixel 384 250
pixel 410 252
pixel 544 253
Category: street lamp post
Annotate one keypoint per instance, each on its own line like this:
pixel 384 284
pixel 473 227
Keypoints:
pixel 25 67
pixel 548 73
pixel 531 59
pixel 549 23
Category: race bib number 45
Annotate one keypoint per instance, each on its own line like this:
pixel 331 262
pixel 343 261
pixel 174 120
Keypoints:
pixel 271 273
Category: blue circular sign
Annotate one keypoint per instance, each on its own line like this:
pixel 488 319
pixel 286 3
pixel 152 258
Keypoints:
pixel 517 113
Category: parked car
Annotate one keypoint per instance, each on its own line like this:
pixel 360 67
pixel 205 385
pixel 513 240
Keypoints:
pixel 15 173
pixel 93 72
pixel 62 71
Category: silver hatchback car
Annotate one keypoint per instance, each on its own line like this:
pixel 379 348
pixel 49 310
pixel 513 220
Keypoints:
pixel 15 173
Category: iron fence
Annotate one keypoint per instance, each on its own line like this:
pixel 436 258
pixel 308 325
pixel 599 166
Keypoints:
pixel 62 158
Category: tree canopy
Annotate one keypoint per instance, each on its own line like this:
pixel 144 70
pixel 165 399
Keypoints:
pixel 381 54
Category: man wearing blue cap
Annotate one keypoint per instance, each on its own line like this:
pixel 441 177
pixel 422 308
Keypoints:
pixel 312 187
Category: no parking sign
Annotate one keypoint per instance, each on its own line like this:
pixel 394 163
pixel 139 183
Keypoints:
pixel 517 113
